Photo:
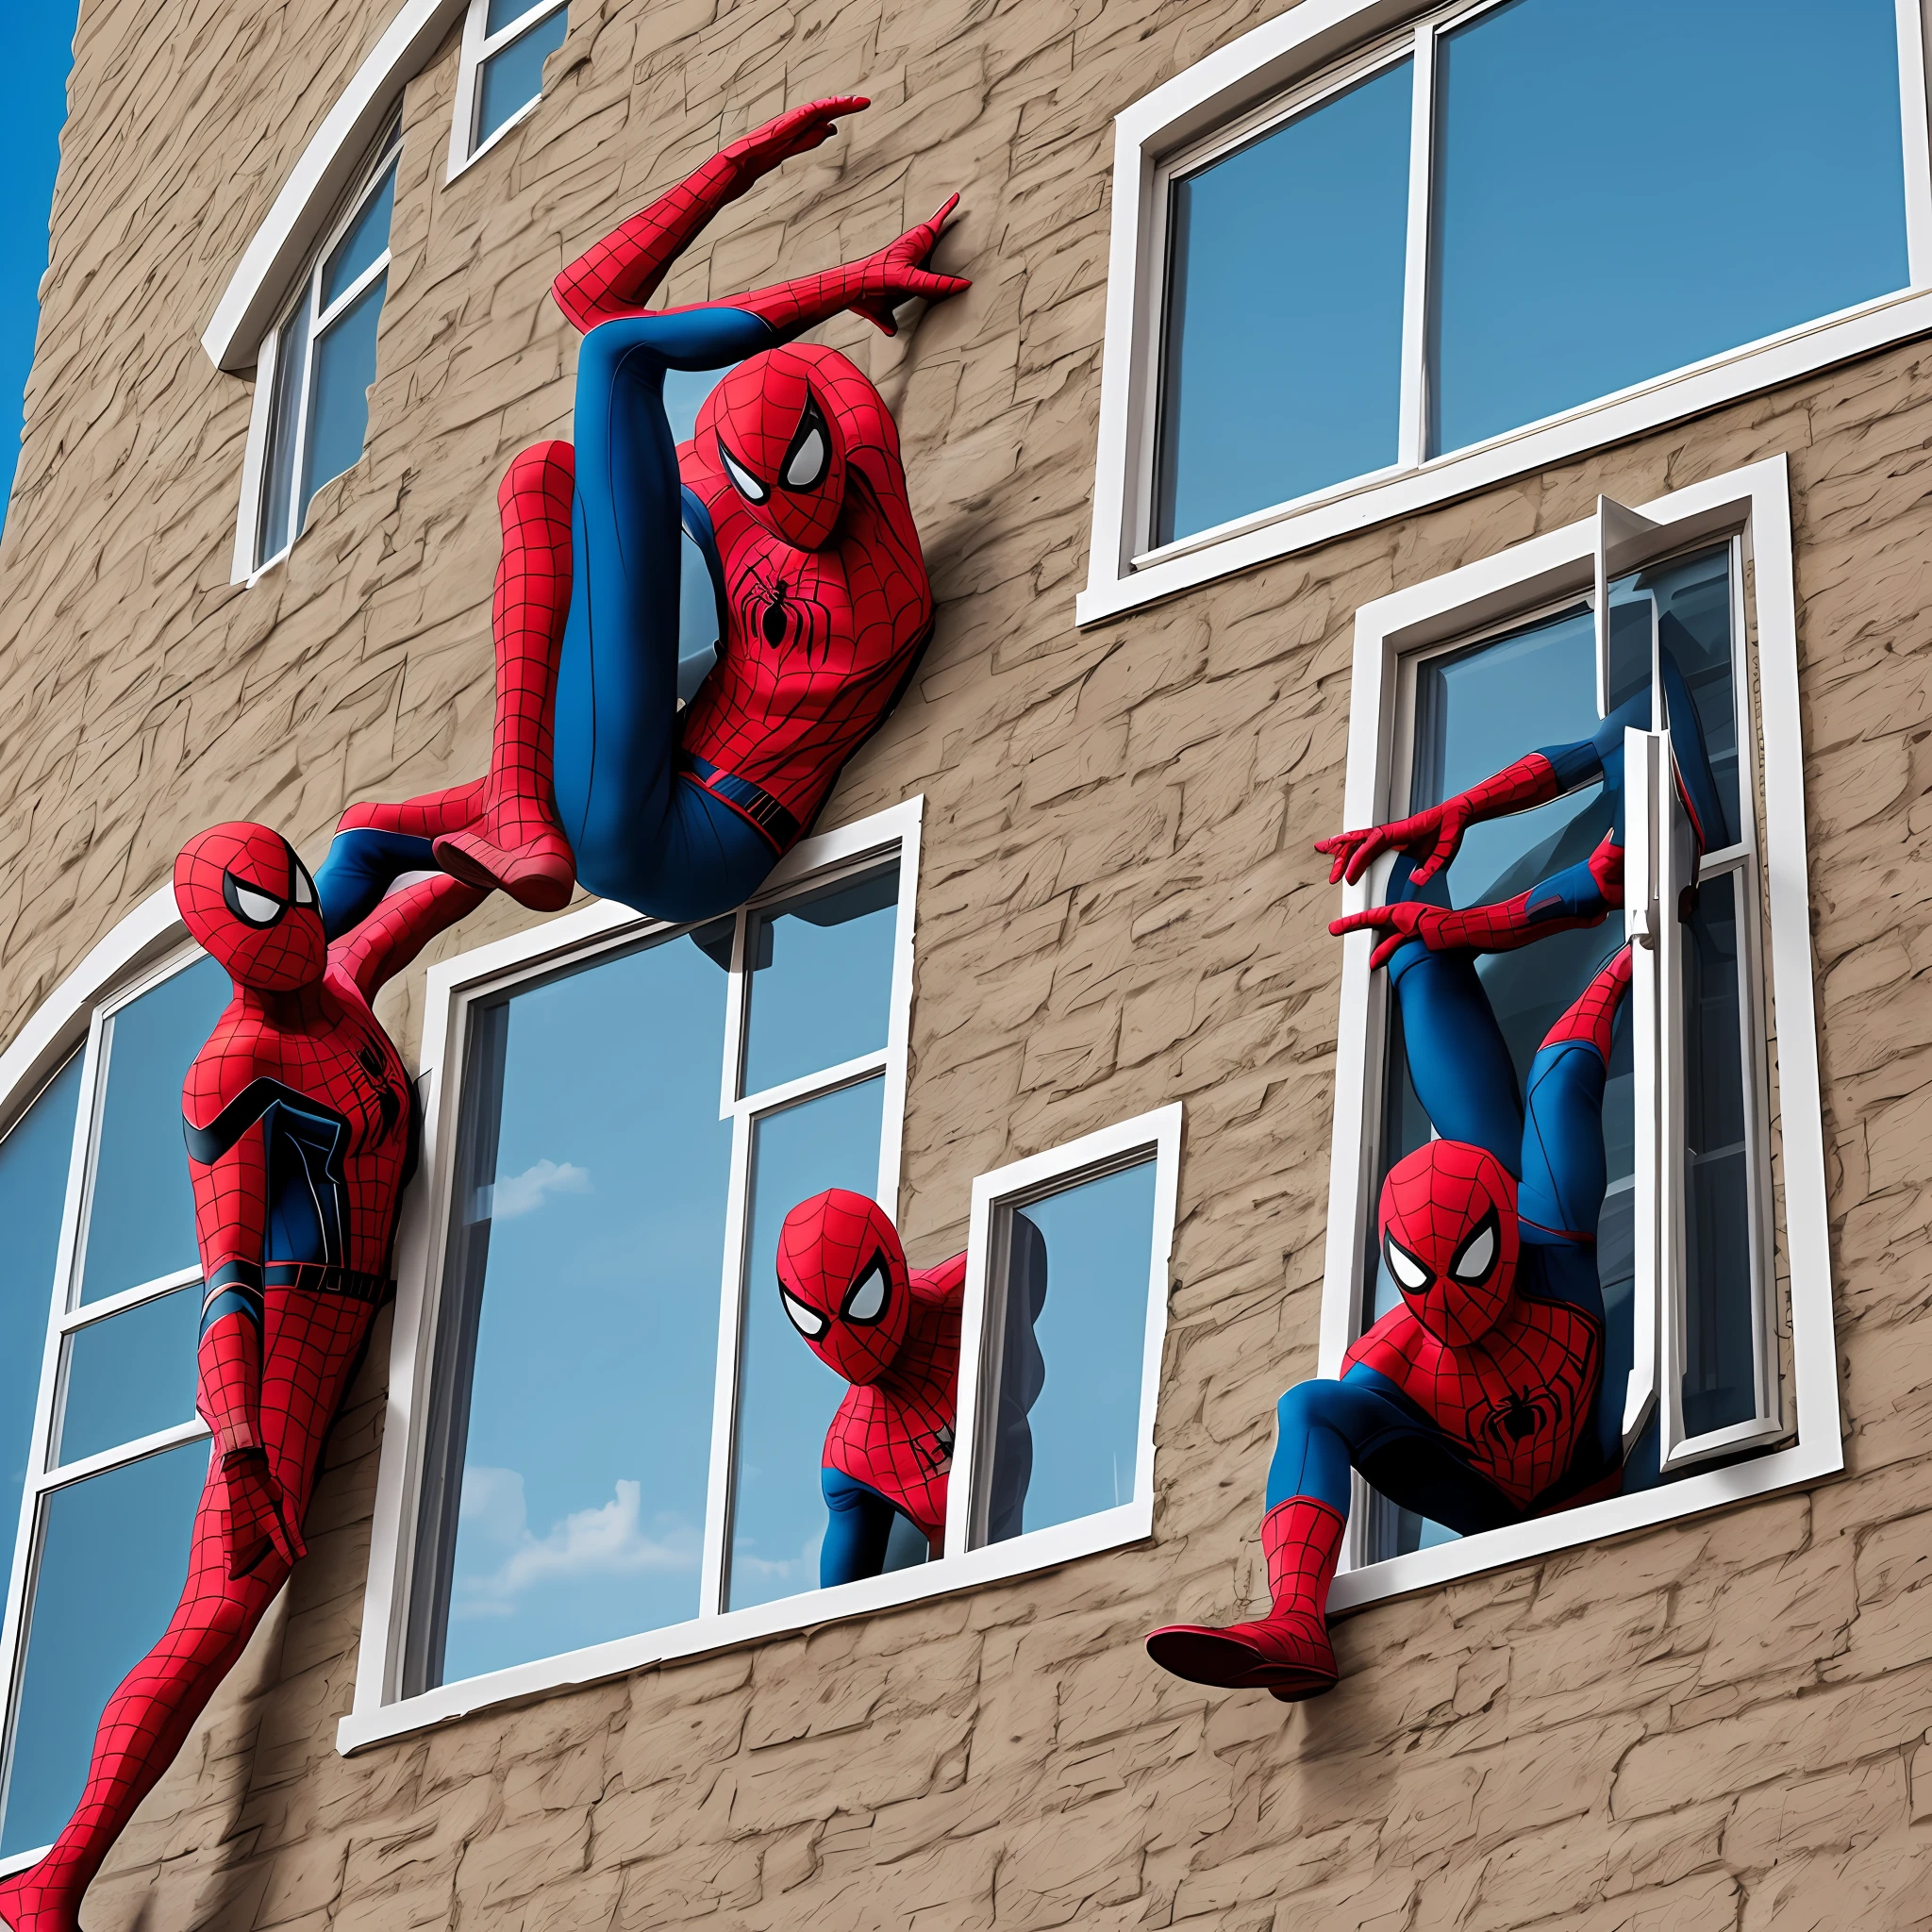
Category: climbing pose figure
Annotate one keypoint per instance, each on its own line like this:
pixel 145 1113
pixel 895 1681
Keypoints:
pixel 793 490
pixel 893 1333
pixel 301 1129
pixel 1477 1400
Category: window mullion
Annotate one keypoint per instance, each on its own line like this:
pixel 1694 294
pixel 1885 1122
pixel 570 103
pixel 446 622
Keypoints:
pixel 347 299
pixel 716 1575
pixel 66 1270
pixel 1917 141
pixel 1413 434
pixel 306 384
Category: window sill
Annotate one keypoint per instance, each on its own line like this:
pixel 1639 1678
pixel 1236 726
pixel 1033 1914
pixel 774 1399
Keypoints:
pixel 1022 1555
pixel 1496 1549
pixel 1286 528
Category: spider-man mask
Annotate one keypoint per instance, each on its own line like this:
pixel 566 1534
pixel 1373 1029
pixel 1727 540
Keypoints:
pixel 1449 1237
pixel 251 903
pixel 841 1280
pixel 773 425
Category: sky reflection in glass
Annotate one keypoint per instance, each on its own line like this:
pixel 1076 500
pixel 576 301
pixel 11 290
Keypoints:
pixel 584 1483
pixel 1622 187
pixel 87 1637
pixel 141 1221
pixel 1283 354
pixel 34 1159
pixel 130 1376
pixel 786 1396
pixel 821 979
pixel 1091 1333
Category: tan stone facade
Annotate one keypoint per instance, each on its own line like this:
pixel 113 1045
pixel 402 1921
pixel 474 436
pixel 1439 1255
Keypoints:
pixel 1721 1722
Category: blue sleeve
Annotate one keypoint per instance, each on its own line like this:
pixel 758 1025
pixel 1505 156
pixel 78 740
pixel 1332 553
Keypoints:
pixel 858 1527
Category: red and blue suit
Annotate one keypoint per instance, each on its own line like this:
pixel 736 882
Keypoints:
pixel 1476 1401
pixel 793 490
pixel 893 1333
pixel 301 1128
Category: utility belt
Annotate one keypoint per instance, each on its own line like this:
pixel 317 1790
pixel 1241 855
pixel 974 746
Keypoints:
pixel 748 800
pixel 236 1287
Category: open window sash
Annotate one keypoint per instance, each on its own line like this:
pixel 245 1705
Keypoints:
pixel 1660 886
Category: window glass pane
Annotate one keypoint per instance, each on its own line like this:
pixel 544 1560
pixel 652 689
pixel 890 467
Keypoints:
pixel 366 239
pixel 514 77
pixel 821 979
pixel 113 1558
pixel 131 1374
pixel 292 373
pixel 1719 1381
pixel 34 1159
pixel 1626 187
pixel 590 1264
pixel 339 408
pixel 503 13
pixel 141 1210
pixel 786 1396
pixel 1067 1415
pixel 1692 596
pixel 1282 359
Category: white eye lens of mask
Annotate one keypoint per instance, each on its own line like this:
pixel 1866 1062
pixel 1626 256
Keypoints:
pixel 1408 1271
pixel 1473 1261
pixel 748 485
pixel 257 907
pixel 305 887
pixel 867 1301
pixel 807 462
pixel 808 1321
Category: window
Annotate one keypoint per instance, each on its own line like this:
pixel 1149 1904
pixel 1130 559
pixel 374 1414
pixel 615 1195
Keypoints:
pixel 312 407
pixel 505 46
pixel 606 1436
pixel 105 1456
pixel 1066 1311
pixel 1711 1240
pixel 1366 292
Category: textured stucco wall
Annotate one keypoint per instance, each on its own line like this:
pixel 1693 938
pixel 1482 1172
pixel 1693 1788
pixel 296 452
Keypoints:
pixel 1717 1723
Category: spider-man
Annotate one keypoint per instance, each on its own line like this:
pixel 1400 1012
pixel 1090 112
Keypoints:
pixel 793 490
pixel 1476 1399
pixel 893 1333
pixel 300 1122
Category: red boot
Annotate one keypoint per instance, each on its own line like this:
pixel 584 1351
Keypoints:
pixel 428 817
pixel 517 844
pixel 1288 1651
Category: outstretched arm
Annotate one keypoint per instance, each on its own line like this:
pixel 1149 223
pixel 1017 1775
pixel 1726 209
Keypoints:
pixel 1582 894
pixel 1535 778
pixel 402 925
pixel 619 274
pixel 617 277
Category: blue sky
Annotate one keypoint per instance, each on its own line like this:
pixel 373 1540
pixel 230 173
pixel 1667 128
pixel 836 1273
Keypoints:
pixel 41 49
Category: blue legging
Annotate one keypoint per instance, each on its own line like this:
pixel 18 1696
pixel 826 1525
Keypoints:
pixel 642 835
pixel 1365 1419
pixel 858 1526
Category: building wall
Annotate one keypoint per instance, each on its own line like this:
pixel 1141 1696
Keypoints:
pixel 1720 1723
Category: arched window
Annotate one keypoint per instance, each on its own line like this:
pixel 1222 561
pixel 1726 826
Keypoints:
pixel 102 1455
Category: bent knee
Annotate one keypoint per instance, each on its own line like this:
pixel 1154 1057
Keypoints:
pixel 1308 1404
pixel 545 469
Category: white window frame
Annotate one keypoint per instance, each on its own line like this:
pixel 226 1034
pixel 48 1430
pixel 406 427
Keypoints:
pixel 1155 1136
pixel 144 949
pixel 379 1712
pixel 1755 503
pixel 479 48
pixel 255 479
pixel 1281 68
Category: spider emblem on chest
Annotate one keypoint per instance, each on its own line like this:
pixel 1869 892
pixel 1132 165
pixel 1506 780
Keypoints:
pixel 780 614
pixel 1507 1424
